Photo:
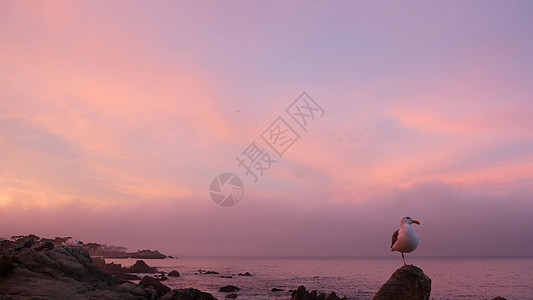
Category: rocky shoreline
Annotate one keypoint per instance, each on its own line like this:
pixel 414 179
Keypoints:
pixel 33 268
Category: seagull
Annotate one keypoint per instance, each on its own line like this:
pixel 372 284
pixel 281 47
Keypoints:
pixel 405 240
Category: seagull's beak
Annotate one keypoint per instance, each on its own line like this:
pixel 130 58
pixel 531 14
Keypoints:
pixel 416 222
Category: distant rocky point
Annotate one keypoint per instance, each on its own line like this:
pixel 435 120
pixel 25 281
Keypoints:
pixel 95 249
pixel 106 251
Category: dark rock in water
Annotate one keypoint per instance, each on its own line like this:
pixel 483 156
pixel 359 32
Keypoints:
pixel 161 278
pixel 276 290
pixel 187 294
pixel 141 267
pixel 407 283
pixel 499 298
pixel 229 289
pixel 245 274
pixel 232 296
pixel 302 294
pixel 229 276
pixel 148 281
pixel 174 273
pixel 201 271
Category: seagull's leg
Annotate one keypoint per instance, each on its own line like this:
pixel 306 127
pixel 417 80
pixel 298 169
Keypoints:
pixel 403 259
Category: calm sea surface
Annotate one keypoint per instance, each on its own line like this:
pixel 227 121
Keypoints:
pixel 356 278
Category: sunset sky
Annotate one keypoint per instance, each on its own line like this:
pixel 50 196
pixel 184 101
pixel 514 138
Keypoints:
pixel 116 116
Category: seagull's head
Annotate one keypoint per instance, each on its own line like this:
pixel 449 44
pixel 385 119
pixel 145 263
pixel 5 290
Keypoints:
pixel 409 220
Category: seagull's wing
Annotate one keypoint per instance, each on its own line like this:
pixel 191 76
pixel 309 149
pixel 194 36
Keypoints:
pixel 394 237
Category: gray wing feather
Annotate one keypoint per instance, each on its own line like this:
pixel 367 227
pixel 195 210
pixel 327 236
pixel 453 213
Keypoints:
pixel 394 237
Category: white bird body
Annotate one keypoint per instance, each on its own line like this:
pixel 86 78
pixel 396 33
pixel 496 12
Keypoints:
pixel 405 239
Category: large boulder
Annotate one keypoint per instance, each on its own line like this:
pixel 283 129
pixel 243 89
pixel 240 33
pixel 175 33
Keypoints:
pixel 406 283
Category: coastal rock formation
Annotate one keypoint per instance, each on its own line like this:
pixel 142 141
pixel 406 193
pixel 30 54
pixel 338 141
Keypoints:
pixel 244 274
pixel 302 294
pixel 59 273
pixel 117 270
pixel 406 283
pixel 30 271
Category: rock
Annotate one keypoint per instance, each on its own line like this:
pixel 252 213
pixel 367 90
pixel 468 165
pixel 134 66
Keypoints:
pixel 28 243
pixel 210 272
pixel 499 298
pixel 117 270
pixel 69 272
pixel 332 296
pixel 187 294
pixel 46 245
pixel 302 294
pixel 61 273
pixel 161 277
pixel 18 246
pixel 141 267
pixel 229 289
pixel 276 290
pixel 128 287
pixel 174 273
pixel 152 282
pixel 229 276
pixel 7 265
pixel 406 283
pixel 232 296
pixel 245 274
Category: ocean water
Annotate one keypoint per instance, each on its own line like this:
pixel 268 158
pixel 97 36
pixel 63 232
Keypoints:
pixel 356 278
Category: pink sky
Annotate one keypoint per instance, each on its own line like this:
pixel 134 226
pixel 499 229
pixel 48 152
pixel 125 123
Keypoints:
pixel 115 117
